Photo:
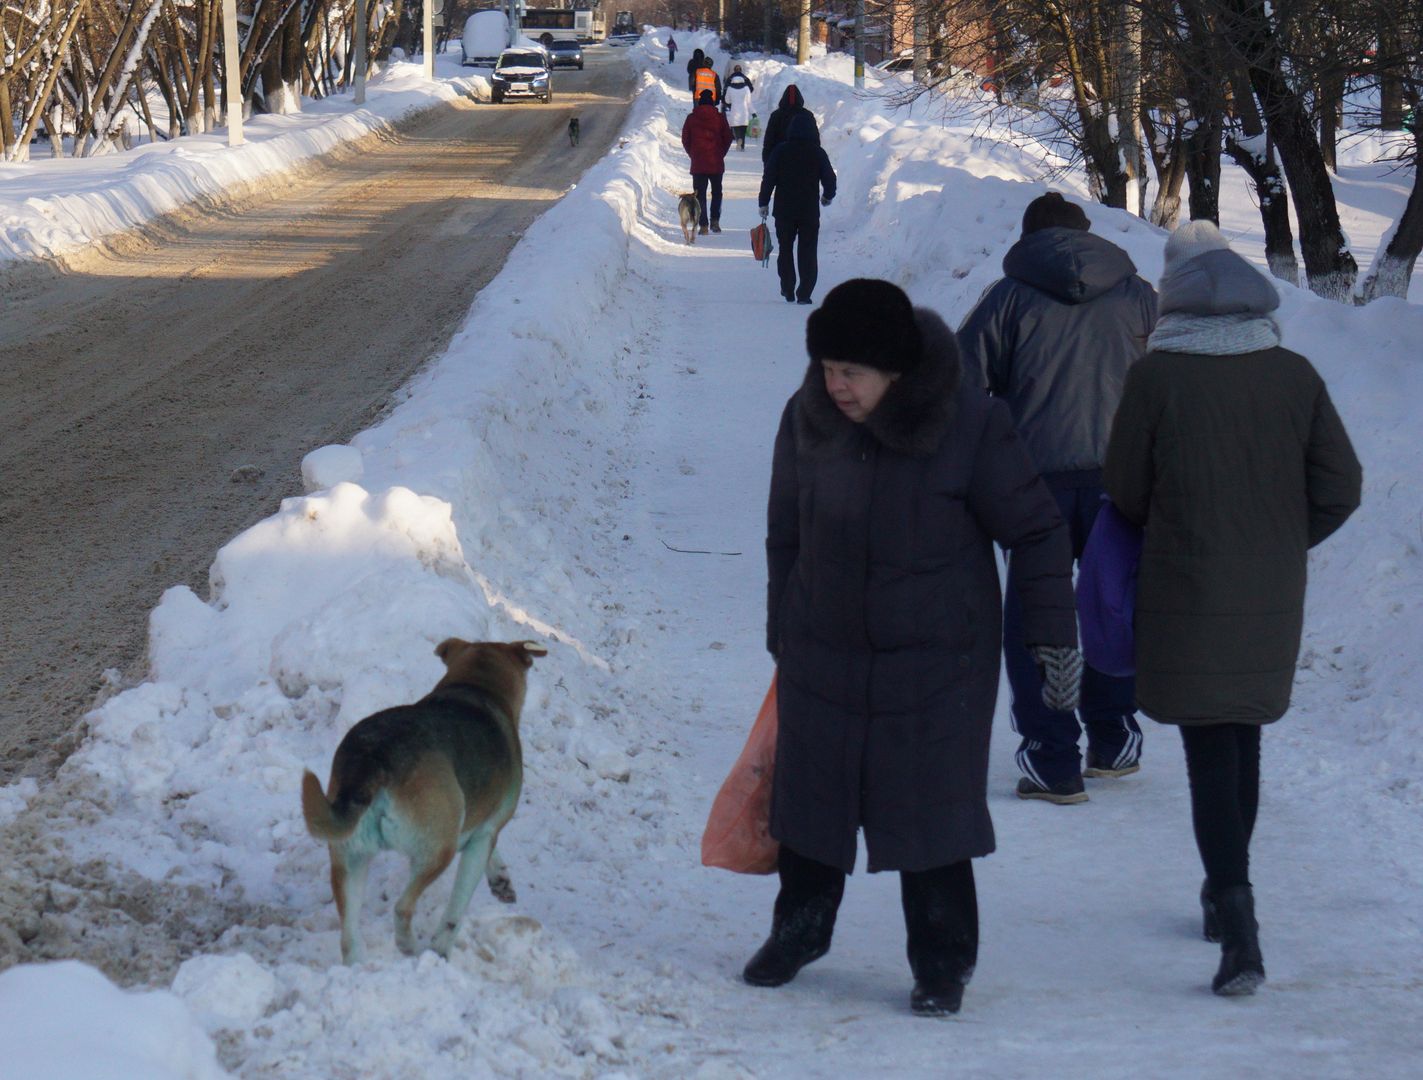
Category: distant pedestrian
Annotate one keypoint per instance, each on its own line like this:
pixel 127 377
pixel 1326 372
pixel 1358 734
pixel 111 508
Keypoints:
pixel 671 49
pixel 1227 450
pixel 736 102
pixel 778 123
pixel 799 174
pixel 694 65
pixel 706 80
pixel 1054 338
pixel 706 137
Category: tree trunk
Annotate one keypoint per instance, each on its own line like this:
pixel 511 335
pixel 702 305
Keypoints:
pixel 1393 266
pixel 1329 268
pixel 1203 167
pixel 1257 157
pixel 1167 145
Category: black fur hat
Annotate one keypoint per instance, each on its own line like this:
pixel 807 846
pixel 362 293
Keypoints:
pixel 1052 211
pixel 865 321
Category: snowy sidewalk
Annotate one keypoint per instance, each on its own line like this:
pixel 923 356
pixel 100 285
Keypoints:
pixel 1091 961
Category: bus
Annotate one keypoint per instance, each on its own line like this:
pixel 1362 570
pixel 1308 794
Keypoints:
pixel 546 25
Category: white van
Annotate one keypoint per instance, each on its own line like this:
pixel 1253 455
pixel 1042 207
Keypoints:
pixel 486 35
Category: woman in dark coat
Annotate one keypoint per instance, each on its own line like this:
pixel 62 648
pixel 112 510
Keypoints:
pixel 891 482
pixel 1228 450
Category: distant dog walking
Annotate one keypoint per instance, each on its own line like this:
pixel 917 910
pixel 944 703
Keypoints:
pixel 687 210
pixel 573 131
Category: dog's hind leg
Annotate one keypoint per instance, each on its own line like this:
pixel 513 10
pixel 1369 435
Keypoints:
pixel 474 863
pixel 424 822
pixel 348 886
pixel 497 874
pixel 421 876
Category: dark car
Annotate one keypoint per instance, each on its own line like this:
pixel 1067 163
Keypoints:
pixel 521 73
pixel 566 54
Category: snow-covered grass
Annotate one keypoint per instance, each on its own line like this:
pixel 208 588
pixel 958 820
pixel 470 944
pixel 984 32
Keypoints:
pixel 587 465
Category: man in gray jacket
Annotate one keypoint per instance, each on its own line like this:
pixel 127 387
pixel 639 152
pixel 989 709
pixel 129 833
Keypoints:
pixel 1054 339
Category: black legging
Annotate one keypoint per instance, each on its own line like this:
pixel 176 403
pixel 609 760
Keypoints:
pixel 1223 763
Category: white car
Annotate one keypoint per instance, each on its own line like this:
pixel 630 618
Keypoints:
pixel 522 72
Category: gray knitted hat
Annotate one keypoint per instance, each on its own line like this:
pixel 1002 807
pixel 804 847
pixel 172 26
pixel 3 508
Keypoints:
pixel 1189 240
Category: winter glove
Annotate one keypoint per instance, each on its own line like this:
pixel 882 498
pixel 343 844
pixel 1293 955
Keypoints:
pixel 765 212
pixel 1061 668
pixel 824 201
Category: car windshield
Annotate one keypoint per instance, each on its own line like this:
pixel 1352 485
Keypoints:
pixel 523 59
pixel 565 46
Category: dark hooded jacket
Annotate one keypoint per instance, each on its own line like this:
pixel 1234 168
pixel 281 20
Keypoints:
pixel 884 610
pixel 692 65
pixel 778 124
pixel 798 171
pixel 1054 339
pixel 1236 464
pixel 706 136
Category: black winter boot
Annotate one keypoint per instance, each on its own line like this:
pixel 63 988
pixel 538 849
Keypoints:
pixel 797 939
pixel 804 919
pixel 1241 967
pixel 1210 921
pixel 941 921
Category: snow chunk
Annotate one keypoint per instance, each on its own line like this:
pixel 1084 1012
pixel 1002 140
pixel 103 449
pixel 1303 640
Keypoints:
pixel 328 466
pixel 65 1021
pixel 227 991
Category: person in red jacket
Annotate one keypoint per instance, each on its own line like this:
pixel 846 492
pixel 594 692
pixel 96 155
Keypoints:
pixel 706 136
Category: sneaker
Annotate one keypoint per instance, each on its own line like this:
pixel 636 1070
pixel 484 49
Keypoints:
pixel 788 297
pixel 1063 793
pixel 806 301
pixel 716 226
pixel 1101 767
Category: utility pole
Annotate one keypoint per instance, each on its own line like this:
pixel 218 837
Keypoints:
pixel 363 16
pixel 232 72
pixel 859 44
pixel 427 31
pixel 802 44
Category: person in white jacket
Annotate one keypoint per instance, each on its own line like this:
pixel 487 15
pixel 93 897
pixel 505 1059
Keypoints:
pixel 736 101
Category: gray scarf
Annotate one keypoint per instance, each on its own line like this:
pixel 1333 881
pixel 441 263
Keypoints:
pixel 1215 335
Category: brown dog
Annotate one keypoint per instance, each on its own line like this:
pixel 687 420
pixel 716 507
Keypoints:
pixel 428 780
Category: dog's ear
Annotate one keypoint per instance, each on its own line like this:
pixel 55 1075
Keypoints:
pixel 445 648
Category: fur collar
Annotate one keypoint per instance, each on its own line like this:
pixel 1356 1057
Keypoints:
pixel 913 416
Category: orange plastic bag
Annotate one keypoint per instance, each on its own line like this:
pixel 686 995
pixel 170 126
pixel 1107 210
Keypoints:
pixel 738 833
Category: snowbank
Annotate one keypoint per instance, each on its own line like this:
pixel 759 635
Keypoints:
pixel 48 207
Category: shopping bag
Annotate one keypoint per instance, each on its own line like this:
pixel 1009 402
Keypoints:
pixel 761 243
pixel 738 833
pixel 1106 592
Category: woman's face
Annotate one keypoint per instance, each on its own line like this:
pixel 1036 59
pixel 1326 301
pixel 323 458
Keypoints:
pixel 855 388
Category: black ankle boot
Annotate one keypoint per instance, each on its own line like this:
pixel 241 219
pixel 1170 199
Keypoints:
pixel 796 940
pixel 1210 921
pixel 1241 967
pixel 929 999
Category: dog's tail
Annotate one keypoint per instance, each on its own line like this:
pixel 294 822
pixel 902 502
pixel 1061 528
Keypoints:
pixel 324 821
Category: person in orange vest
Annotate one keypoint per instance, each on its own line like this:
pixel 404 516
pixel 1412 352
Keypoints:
pixel 706 78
